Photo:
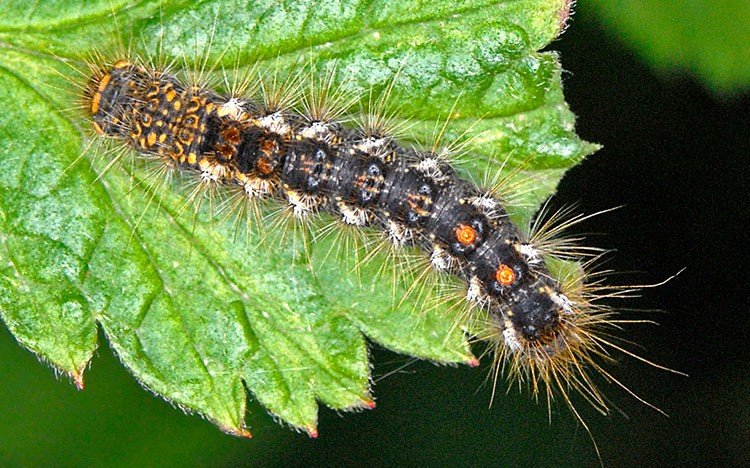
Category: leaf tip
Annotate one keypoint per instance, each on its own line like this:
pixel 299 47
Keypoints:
pixel 237 432
pixel 77 377
pixel 312 432
pixel 563 16
pixel 369 403
pixel 472 362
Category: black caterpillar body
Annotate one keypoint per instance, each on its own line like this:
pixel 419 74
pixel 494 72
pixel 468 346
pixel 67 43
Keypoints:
pixel 363 178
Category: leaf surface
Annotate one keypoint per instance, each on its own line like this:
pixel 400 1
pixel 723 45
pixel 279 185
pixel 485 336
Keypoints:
pixel 708 39
pixel 201 311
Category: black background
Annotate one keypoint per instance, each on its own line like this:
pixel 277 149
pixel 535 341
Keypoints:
pixel 674 155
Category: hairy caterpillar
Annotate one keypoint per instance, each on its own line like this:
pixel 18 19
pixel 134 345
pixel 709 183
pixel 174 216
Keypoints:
pixel 545 329
pixel 361 176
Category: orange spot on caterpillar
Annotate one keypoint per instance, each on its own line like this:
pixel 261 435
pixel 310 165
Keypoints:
pixel 269 146
pixel 194 105
pixel 103 83
pixel 225 150
pixel 466 235
pixel 122 64
pixel 265 166
pixel 505 275
pixel 232 135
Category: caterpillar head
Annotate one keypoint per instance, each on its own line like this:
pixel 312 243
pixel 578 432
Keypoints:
pixel 108 97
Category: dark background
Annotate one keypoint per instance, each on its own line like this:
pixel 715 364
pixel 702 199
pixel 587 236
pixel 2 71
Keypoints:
pixel 674 155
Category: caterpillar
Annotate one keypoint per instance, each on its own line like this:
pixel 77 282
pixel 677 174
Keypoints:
pixel 543 329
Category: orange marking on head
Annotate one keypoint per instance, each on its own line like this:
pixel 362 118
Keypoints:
pixel 186 137
pixel 505 275
pixel 194 105
pixel 152 91
pixel 466 235
pixel 104 81
pixel 97 97
pixel 176 150
pixel 135 133
pixel 94 108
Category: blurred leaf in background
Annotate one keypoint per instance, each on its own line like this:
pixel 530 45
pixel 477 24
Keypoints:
pixel 709 38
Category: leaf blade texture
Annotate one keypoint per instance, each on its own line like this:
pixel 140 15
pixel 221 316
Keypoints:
pixel 198 312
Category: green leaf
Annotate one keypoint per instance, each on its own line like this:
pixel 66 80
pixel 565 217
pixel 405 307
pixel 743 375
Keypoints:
pixel 196 310
pixel 710 39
